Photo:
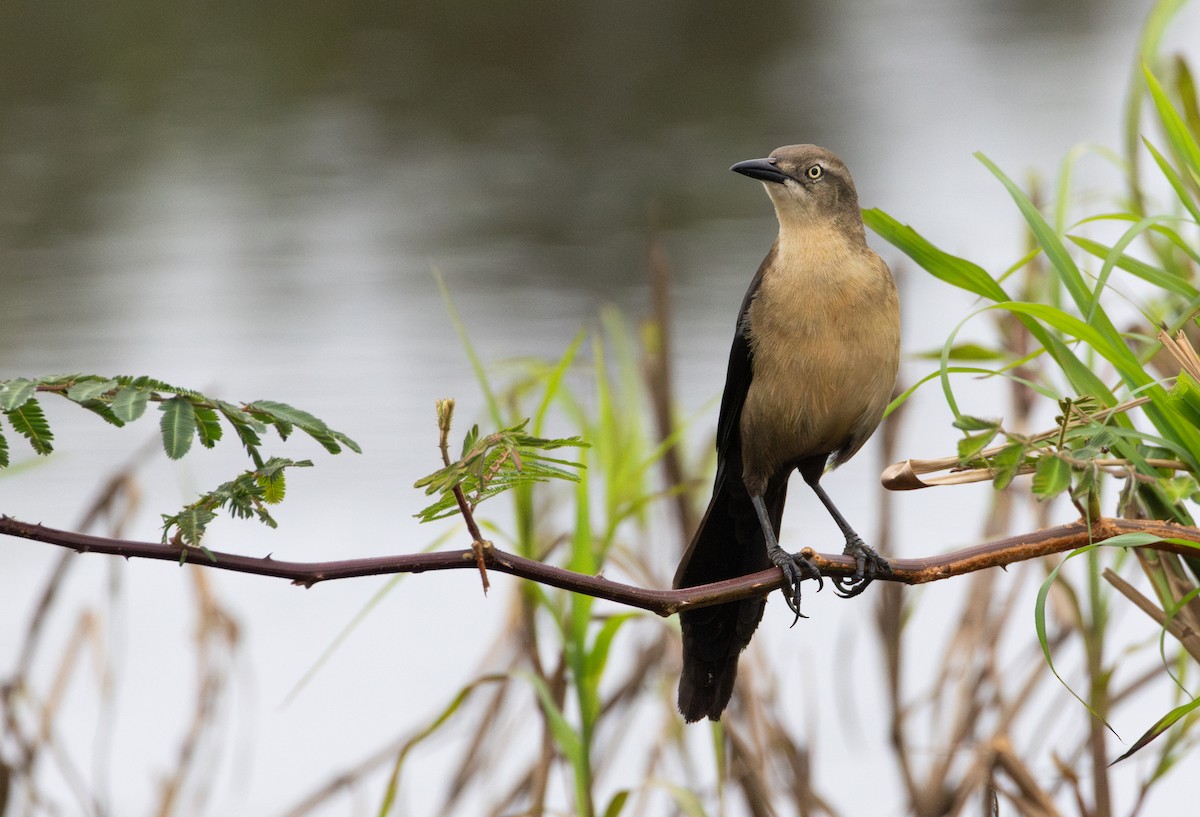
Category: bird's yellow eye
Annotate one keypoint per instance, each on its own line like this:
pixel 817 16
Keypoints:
pixel 815 172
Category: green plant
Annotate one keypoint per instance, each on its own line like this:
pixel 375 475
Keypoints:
pixel 186 415
pixel 1067 296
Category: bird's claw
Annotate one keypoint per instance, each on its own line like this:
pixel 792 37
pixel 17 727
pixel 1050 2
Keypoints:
pixel 796 568
pixel 868 565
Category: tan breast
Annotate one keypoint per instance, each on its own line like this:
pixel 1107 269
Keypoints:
pixel 824 330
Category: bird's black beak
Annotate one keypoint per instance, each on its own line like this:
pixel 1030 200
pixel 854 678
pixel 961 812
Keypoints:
pixel 762 169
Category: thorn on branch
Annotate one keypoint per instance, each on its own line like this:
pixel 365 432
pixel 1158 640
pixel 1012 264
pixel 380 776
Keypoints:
pixel 482 548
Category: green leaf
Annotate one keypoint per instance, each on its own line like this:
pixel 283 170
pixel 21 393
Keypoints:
pixel 566 738
pixel 1007 462
pixel 964 352
pixel 1039 620
pixel 274 487
pixel 1052 477
pixel 286 416
pixel 597 657
pixel 244 497
pixel 1174 179
pixel 1185 88
pixel 147 383
pixel 490 465
pixel 480 370
pixel 14 393
pixel 1160 278
pixel 970 446
pixel 104 410
pixel 3 449
pixel 1161 725
pixel 951 269
pixel 346 441
pixel 1180 488
pixel 208 426
pixel 617 804
pixel 178 424
pixel 129 403
pixel 1184 397
pixel 390 790
pixel 969 423
pixel 90 389
pixel 1055 250
pixel 245 425
pixel 286 413
pixel 29 421
pixel 1181 139
pixel 190 524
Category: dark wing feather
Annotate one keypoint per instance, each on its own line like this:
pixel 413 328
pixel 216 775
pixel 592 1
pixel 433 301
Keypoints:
pixel 738 376
pixel 729 543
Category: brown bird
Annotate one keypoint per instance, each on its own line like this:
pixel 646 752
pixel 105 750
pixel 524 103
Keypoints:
pixel 811 371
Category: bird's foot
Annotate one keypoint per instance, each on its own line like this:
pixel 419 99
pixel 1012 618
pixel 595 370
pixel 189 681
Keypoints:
pixel 867 566
pixel 796 568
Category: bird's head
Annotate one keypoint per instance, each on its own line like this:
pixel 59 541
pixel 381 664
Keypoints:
pixel 806 183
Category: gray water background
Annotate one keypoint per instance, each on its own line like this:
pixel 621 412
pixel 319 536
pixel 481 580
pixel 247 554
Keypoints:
pixel 253 201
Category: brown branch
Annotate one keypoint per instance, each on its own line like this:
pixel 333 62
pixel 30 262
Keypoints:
pixel 1000 553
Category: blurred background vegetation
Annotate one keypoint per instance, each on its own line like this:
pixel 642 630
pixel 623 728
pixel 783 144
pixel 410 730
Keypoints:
pixel 250 201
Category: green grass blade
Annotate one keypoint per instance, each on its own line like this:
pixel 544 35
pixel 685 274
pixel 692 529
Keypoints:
pixel 949 268
pixel 568 741
pixel 1039 621
pixel 1113 256
pixel 477 366
pixel 1160 726
pixel 1055 250
pixel 1175 180
pixel 393 783
pixel 1183 143
pixel 553 380
pixel 1153 31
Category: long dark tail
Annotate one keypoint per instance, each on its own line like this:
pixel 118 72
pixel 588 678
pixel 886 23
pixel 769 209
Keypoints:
pixel 728 544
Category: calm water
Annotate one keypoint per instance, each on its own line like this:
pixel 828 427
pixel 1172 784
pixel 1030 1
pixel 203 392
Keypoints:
pixel 254 202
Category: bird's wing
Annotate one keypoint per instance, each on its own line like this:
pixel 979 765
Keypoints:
pixel 706 558
pixel 740 372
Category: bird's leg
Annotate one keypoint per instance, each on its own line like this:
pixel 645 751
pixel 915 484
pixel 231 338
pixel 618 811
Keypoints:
pixel 795 568
pixel 867 563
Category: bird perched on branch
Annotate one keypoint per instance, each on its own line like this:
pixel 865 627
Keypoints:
pixel 812 368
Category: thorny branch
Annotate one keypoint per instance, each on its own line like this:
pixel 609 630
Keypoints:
pixel 1000 553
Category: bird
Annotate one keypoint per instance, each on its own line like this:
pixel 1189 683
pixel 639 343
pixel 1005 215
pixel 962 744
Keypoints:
pixel 812 368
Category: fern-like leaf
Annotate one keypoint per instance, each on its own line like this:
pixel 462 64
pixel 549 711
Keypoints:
pixel 493 464
pixel 29 421
pixel 189 524
pixel 244 497
pixel 208 426
pixel 282 411
pixel 89 389
pixel 274 487
pixel 104 410
pixel 346 441
pixel 246 426
pixel 284 417
pixel 16 393
pixel 129 403
pixel 178 424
